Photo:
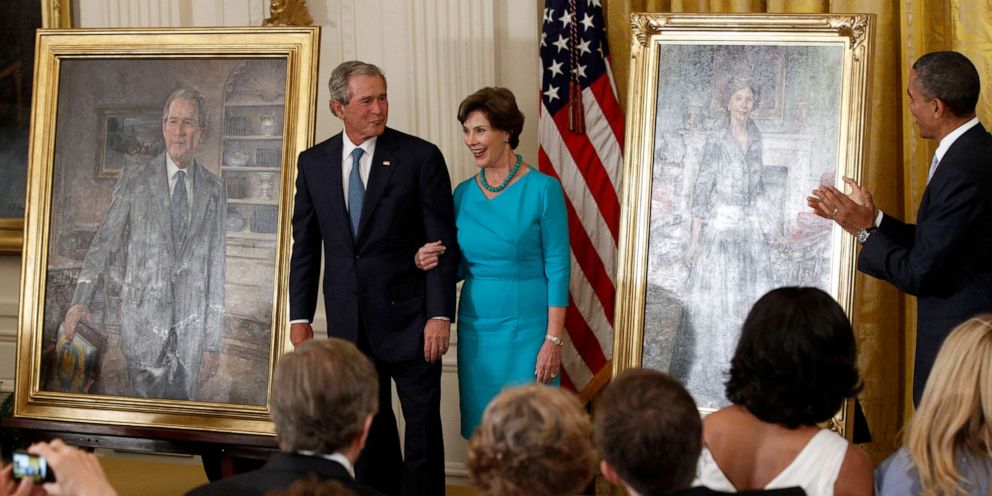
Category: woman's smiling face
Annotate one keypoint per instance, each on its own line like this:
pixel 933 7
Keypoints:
pixel 487 144
pixel 740 104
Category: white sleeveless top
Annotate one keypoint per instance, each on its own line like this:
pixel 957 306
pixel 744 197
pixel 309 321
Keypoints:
pixel 814 469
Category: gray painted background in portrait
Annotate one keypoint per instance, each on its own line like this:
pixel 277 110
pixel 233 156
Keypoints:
pixel 691 332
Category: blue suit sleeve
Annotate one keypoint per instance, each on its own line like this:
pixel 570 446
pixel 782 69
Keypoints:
pixel 554 241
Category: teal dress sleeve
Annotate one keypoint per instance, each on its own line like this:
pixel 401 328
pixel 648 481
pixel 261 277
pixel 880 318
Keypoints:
pixel 554 243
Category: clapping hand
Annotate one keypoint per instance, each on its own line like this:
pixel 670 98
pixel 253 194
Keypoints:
pixel 851 212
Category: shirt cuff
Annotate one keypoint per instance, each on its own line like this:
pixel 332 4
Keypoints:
pixel 441 317
pixel 299 321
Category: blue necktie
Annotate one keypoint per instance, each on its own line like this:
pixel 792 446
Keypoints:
pixel 356 190
pixel 177 209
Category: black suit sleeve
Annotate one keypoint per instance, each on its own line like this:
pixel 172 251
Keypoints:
pixel 900 232
pixel 438 213
pixel 954 203
pixel 304 272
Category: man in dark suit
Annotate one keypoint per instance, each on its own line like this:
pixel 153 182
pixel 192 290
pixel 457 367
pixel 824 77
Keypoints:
pixel 650 435
pixel 943 259
pixel 324 395
pixel 370 197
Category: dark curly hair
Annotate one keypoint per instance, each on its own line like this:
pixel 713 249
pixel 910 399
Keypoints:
pixel 795 362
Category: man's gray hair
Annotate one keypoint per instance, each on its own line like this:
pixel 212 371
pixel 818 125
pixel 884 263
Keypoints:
pixel 187 93
pixel 338 84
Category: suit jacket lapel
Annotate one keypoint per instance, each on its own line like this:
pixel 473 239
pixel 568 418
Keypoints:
pixel 199 205
pixel 384 162
pixel 962 143
pixel 330 181
pixel 158 187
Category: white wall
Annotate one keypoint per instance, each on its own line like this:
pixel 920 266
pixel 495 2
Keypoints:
pixel 434 53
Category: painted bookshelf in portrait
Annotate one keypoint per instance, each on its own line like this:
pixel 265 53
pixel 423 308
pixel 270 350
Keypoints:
pixel 252 166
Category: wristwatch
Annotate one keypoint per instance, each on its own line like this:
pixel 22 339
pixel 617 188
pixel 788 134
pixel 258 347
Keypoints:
pixel 864 233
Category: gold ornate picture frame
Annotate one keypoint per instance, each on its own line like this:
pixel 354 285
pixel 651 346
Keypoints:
pixel 713 217
pixel 103 240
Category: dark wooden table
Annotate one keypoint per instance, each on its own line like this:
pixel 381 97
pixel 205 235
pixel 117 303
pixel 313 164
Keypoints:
pixel 226 447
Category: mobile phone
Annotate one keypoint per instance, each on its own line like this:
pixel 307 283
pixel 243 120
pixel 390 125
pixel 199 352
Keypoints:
pixel 31 466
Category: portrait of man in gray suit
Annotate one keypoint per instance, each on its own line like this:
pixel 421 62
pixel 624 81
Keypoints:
pixel 165 229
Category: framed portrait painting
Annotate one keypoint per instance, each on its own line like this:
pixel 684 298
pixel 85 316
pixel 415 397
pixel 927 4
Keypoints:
pixel 158 228
pixel 732 121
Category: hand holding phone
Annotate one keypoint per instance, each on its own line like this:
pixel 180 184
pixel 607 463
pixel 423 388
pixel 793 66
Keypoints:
pixel 30 466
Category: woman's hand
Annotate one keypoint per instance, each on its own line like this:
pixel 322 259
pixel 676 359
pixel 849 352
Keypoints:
pixel 548 362
pixel 427 256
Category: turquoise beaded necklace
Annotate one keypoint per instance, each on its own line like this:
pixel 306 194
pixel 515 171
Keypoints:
pixel 506 182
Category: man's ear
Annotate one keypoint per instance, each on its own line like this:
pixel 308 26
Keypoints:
pixel 365 432
pixel 609 473
pixel 939 108
pixel 337 109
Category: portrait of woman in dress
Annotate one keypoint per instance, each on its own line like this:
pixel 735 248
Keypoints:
pixel 513 234
pixel 727 252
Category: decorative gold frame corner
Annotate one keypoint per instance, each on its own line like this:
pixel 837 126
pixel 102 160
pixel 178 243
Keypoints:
pixel 854 32
pixel 288 13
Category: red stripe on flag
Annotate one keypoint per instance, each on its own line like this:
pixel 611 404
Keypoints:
pixel 587 162
pixel 566 381
pixel 610 107
pixel 583 249
pixel 583 338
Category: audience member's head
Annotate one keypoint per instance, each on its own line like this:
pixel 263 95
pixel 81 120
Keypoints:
pixel 324 395
pixel 649 433
pixel 795 361
pixel 955 414
pixel 533 440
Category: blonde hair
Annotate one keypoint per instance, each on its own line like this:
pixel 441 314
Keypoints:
pixel 533 440
pixel 955 413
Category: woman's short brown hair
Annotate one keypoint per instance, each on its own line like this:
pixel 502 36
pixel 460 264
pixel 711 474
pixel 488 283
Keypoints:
pixel 322 393
pixel 534 440
pixel 500 108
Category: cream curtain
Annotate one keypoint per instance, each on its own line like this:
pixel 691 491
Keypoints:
pixel 885 320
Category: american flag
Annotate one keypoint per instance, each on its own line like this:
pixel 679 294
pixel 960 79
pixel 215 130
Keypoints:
pixel 581 140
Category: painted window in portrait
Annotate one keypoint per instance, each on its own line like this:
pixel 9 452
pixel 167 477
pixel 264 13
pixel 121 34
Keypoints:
pixel 732 123
pixel 162 192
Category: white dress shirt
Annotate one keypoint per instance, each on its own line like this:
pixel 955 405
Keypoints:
pixel 947 141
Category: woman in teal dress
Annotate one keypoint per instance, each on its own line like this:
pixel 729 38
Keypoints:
pixel 513 235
